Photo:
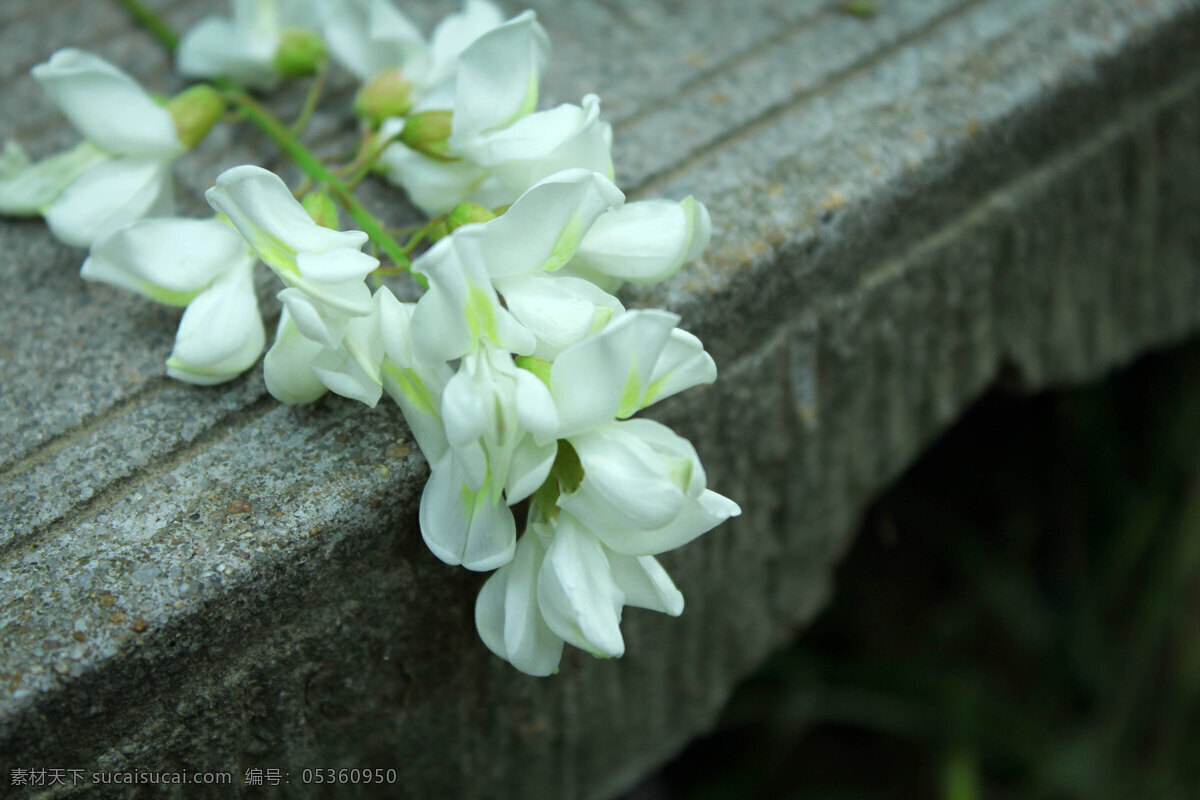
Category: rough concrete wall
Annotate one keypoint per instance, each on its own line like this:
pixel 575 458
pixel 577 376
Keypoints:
pixel 905 207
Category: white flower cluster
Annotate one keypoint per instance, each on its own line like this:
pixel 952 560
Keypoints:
pixel 518 370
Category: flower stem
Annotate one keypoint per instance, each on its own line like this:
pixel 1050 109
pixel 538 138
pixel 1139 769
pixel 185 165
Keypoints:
pixel 313 168
pixel 310 100
pixel 152 22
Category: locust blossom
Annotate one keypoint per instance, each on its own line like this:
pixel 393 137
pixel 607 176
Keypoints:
pixel 121 172
pixel 202 264
pixel 263 42
pixel 633 489
pixel 328 336
pixel 549 254
pixel 489 461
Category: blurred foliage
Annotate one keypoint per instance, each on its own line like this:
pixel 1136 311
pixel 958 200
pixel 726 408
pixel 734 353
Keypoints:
pixel 1019 618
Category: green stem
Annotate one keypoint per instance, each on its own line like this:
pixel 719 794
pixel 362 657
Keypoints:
pixel 152 22
pixel 310 101
pixel 312 167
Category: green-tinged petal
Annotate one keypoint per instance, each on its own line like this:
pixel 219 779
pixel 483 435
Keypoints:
pixel 560 312
pixel 109 196
pixel 647 241
pixel 606 376
pixel 682 364
pixel 579 599
pixel 545 225
pixel 287 368
pixel 462 526
pixel 528 469
pixel 167 259
pixel 221 334
pixel 509 618
pixel 260 206
pixel 29 188
pixel 640 468
pixel 498 74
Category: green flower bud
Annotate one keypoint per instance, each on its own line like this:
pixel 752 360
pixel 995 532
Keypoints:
pixel 437 230
pixel 299 53
pixel 195 111
pixel 465 214
pixel 321 208
pixel 388 94
pixel 427 132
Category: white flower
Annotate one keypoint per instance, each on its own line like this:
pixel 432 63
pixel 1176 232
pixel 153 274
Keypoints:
pixel 486 461
pixel 327 302
pixel 201 264
pixel 122 172
pixel 244 47
pixel 369 37
pixel 565 584
pixel 567 234
pixel 494 165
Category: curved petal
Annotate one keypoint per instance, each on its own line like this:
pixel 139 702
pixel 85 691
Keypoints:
pixel 645 583
pixel 462 526
pixel 418 393
pixel 259 205
pixel 546 224
pixel 107 106
pixel 541 144
pixel 434 187
pixel 647 241
pixel 29 188
pixel 682 364
pixel 454 34
pixel 336 266
pixel 287 368
pixel 221 334
pixel 607 375
pixel 528 469
pixel 167 259
pixel 578 597
pixel 560 312
pixel 697 516
pixel 498 74
pixel 508 617
pixel 110 196
pixel 324 329
pixel 217 46
pixel 369 36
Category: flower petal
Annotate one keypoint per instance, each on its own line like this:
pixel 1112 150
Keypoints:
pixel 697 516
pixel 369 36
pixel 287 368
pixel 579 599
pixel 560 312
pixel 528 469
pixel 218 46
pixel 498 74
pixel 645 583
pixel 682 364
pixel 647 241
pixel 462 526
pixel 29 188
pixel 454 34
pixel 545 225
pixel 259 204
pixel 221 334
pixel 336 266
pixel 167 259
pixel 509 618
pixel 434 187
pixel 607 375
pixel 107 106
pixel 110 196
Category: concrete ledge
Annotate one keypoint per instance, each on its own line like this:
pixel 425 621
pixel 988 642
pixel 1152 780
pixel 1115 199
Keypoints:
pixel 906 207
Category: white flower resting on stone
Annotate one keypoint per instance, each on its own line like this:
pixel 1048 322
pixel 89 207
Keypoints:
pixel 120 173
pixel 263 42
pixel 494 165
pixel 330 329
pixel 632 489
pixel 560 241
pixel 386 51
pixel 202 264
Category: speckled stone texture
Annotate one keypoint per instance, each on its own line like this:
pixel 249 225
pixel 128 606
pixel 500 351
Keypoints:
pixel 906 207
